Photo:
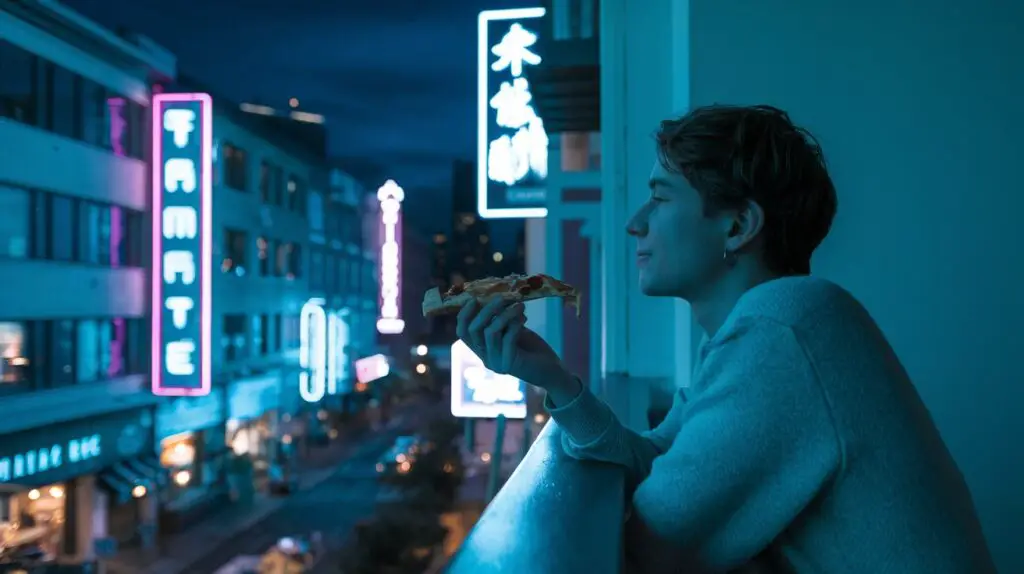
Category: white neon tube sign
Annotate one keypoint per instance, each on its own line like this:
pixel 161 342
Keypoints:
pixel 323 341
pixel 390 321
pixel 312 351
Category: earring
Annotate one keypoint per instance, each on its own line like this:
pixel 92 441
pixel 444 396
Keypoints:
pixel 727 256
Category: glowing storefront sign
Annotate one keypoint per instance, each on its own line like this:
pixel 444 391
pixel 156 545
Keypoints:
pixel 182 243
pixel 49 457
pixel 512 146
pixel 337 356
pixel 369 369
pixel 478 392
pixel 390 196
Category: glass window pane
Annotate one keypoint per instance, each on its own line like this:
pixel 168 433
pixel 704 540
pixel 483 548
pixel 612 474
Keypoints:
pixel 95 129
pixel 88 351
pixel 62 353
pixel 15 221
pixel 104 245
pixel 62 228
pixel 63 104
pixel 88 243
pixel 117 236
pixel 17 96
pixel 14 364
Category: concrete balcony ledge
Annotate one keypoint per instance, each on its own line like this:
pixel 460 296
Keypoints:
pixel 555 515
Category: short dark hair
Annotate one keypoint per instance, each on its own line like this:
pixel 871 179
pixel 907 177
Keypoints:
pixel 732 154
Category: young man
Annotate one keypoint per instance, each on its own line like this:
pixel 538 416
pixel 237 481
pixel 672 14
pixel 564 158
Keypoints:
pixel 802 445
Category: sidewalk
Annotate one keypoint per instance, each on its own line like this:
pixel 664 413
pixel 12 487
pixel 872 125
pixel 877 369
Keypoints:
pixel 178 551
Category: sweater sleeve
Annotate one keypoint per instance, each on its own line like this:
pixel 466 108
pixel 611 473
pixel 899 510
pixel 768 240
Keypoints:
pixel 752 448
pixel 592 432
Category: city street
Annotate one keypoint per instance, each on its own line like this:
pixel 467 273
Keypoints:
pixel 332 507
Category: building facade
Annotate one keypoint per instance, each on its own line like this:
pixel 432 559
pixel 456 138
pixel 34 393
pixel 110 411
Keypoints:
pixel 78 472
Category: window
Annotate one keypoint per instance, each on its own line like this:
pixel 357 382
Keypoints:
pixel 290 332
pixel 18 81
pixel 294 261
pixel 278 333
pixel 128 235
pixel 15 221
pixel 233 339
pixel 62 227
pixel 63 109
pixel 136 344
pixel 330 273
pixel 14 362
pixel 276 183
pixel 112 347
pixel 87 351
pixel 134 124
pixel 316 269
pixel 235 163
pixel 261 326
pixel 95 115
pixel 89 233
pixel 296 194
pixel 62 352
pixel 264 181
pixel 263 253
pixel 283 260
pixel 235 245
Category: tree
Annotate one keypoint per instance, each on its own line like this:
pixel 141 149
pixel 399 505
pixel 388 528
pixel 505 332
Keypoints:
pixel 400 540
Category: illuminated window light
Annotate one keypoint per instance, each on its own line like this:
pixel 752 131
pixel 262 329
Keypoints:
pixel 182 244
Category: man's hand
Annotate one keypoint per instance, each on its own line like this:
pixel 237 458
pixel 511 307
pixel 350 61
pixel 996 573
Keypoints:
pixel 497 333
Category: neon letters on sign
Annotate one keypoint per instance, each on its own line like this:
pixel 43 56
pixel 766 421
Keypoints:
pixel 478 392
pixel 323 348
pixel 512 146
pixel 390 197
pixel 313 351
pixel 182 243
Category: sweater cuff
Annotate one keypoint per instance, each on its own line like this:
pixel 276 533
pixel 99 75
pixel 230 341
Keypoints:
pixel 584 419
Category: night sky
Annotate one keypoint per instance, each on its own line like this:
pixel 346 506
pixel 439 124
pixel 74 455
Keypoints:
pixel 396 79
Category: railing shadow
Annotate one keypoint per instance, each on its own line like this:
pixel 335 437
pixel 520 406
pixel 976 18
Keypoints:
pixel 555 515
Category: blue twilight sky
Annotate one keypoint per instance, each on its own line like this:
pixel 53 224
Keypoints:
pixel 395 78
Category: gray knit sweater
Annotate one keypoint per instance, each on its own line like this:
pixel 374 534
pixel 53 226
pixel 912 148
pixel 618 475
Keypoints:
pixel 801 444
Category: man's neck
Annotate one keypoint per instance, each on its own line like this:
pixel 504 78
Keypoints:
pixel 713 309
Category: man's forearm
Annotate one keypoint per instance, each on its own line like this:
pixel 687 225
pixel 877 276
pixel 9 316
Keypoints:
pixel 564 388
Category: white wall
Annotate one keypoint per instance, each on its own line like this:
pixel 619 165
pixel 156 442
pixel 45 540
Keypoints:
pixel 918 107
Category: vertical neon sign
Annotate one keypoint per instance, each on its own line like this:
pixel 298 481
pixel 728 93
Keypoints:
pixel 182 243
pixel 313 351
pixel 390 196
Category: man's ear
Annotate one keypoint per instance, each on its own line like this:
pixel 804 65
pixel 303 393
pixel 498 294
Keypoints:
pixel 744 226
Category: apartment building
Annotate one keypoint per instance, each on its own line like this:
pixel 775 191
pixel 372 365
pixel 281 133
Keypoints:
pixel 77 464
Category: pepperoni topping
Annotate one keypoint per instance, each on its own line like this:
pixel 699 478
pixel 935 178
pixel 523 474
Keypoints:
pixel 535 282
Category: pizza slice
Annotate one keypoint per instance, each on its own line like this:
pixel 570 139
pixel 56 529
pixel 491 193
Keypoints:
pixel 511 288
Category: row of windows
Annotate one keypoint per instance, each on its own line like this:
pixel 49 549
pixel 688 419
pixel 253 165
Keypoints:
pixel 43 225
pixel 64 352
pixel 275 258
pixel 274 188
pixel 267 334
pixel 40 93
pixel 333 272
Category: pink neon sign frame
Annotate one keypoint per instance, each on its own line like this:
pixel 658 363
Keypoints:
pixel 206 245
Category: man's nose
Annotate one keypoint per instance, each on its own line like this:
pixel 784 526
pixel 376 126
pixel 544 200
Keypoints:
pixel 637 225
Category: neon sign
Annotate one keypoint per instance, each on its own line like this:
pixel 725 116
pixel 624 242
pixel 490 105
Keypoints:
pixel 390 197
pixel 369 369
pixel 323 350
pixel 478 392
pixel 182 244
pixel 512 146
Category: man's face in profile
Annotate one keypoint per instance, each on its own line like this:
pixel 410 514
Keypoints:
pixel 677 246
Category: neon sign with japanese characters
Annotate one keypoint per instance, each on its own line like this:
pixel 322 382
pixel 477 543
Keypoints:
pixel 390 196
pixel 478 392
pixel 512 146
pixel 182 243
pixel 323 350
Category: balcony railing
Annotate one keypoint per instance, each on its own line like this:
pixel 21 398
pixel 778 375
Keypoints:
pixel 555 515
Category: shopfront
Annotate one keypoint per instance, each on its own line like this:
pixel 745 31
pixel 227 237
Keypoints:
pixel 192 450
pixel 253 432
pixel 66 488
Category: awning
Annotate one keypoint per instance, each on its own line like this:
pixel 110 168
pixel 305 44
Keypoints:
pixel 121 478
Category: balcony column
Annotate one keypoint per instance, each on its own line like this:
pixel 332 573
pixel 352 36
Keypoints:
pixel 646 342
